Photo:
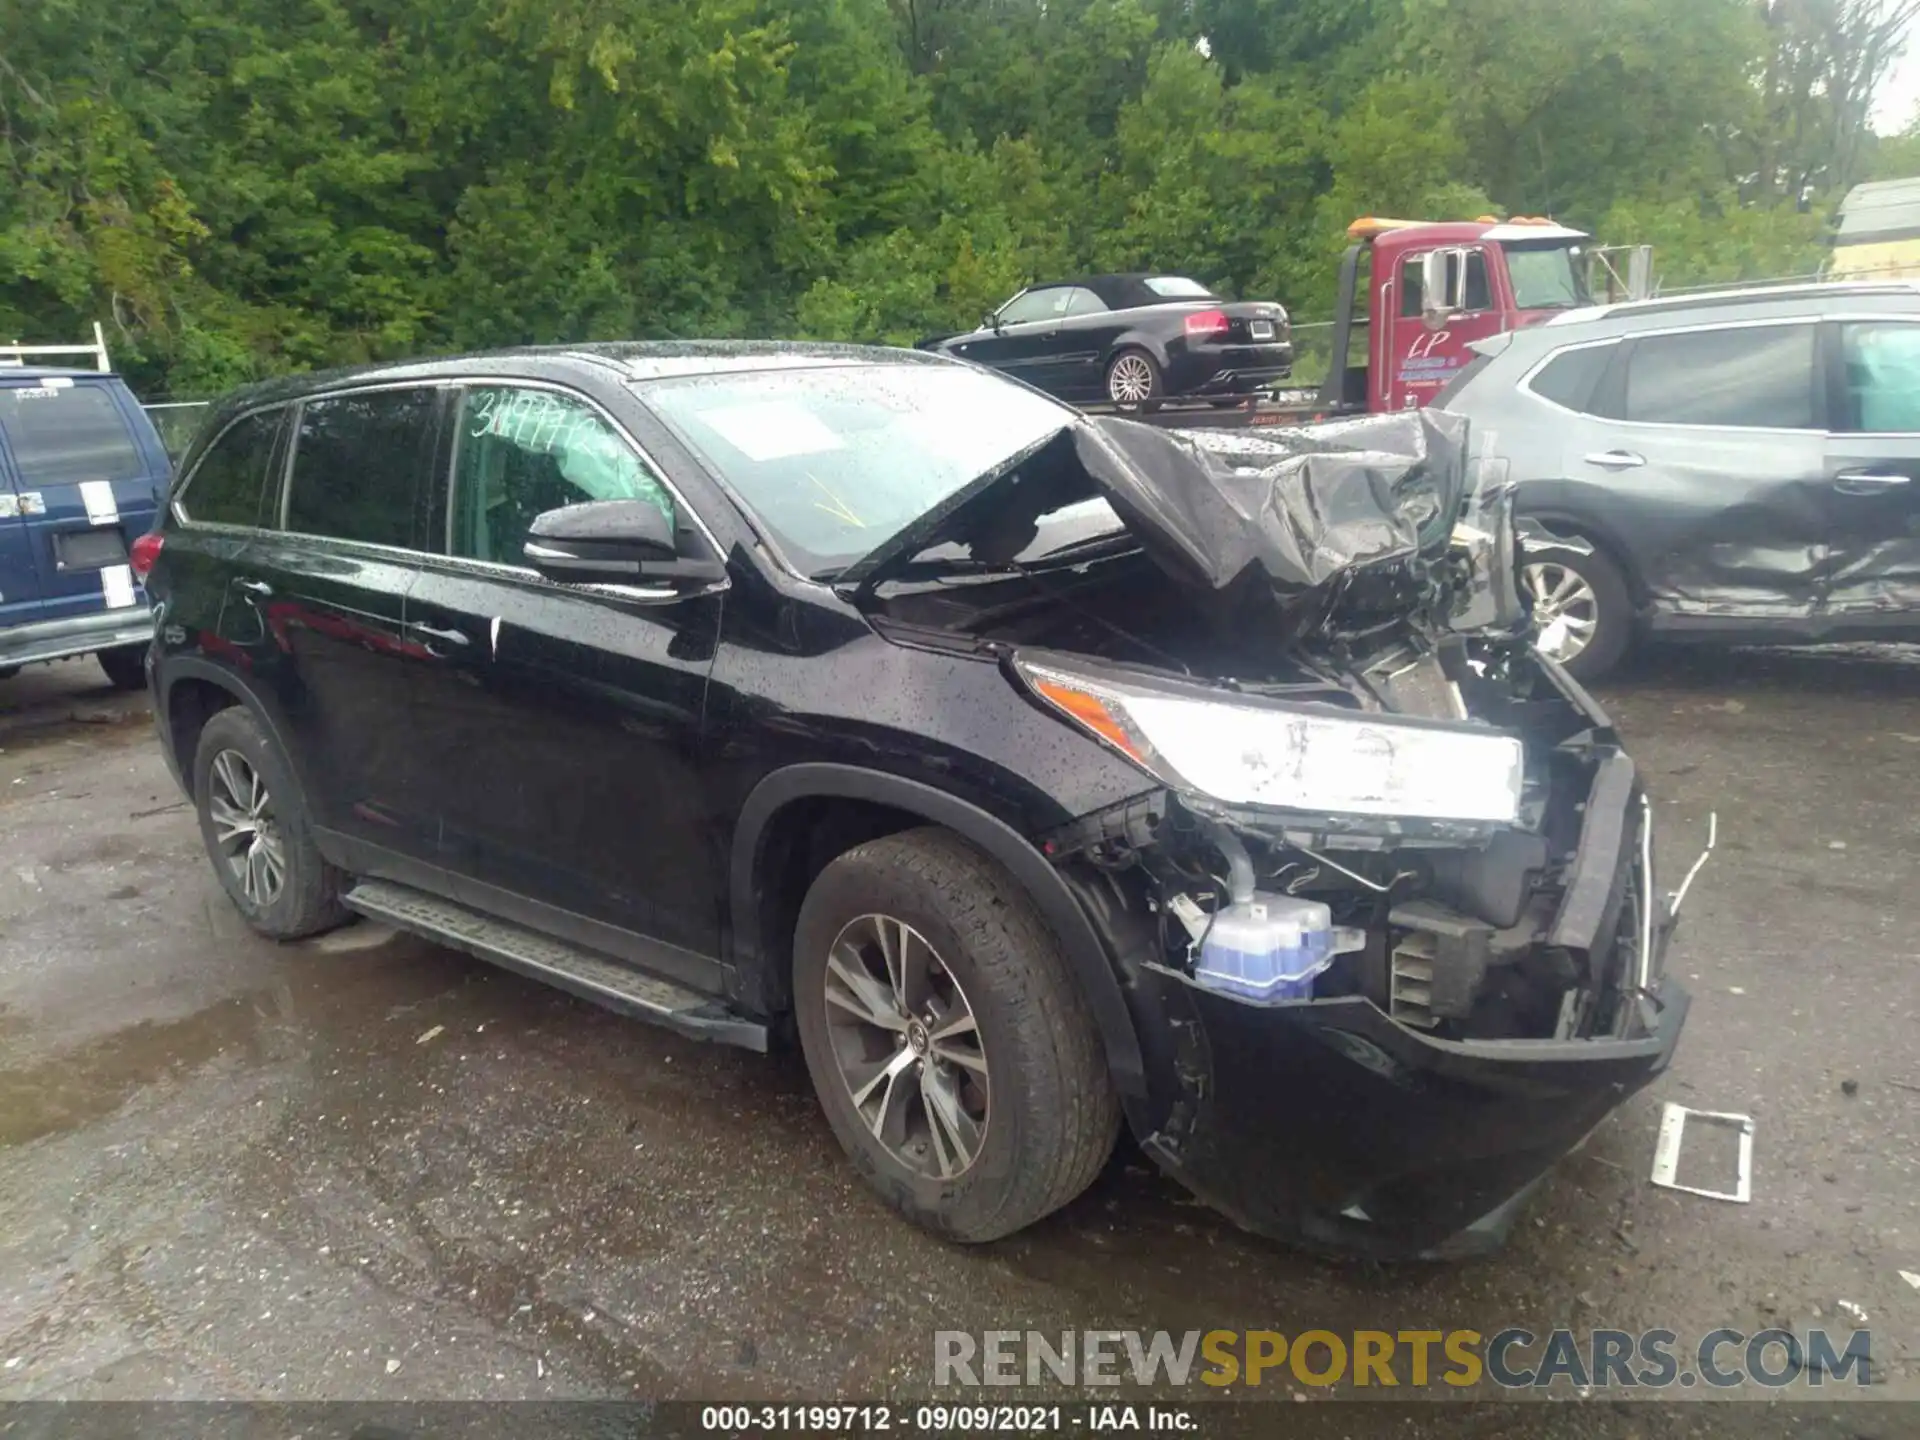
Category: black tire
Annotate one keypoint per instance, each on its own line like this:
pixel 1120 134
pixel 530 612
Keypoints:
pixel 1129 359
pixel 307 900
pixel 1052 1113
pixel 1613 632
pixel 125 666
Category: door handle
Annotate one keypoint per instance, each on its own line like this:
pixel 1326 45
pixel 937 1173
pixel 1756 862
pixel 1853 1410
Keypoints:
pixel 1868 482
pixel 258 589
pixel 433 634
pixel 1616 460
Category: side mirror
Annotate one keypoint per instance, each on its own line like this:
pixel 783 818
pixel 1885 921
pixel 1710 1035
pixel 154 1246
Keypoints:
pixel 611 541
pixel 1435 303
pixel 991 321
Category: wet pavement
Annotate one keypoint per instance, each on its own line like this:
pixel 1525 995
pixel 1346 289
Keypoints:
pixel 367 1168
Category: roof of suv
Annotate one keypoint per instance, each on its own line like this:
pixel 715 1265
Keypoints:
pixel 1752 297
pixel 628 359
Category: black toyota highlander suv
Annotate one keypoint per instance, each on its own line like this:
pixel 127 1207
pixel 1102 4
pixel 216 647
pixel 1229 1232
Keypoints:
pixel 1036 772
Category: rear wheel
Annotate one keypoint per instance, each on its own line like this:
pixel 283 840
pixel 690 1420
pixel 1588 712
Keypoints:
pixel 956 1060
pixel 1583 617
pixel 254 824
pixel 1133 378
pixel 125 666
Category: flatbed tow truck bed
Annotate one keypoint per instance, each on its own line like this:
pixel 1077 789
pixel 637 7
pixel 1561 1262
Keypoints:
pixel 1272 407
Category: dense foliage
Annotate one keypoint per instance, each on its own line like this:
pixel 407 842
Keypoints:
pixel 243 186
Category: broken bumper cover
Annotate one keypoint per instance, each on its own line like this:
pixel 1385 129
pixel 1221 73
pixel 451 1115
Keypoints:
pixel 1328 1124
pixel 1325 1123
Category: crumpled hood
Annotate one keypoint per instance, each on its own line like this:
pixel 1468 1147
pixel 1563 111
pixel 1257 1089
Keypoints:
pixel 1296 508
pixel 1280 527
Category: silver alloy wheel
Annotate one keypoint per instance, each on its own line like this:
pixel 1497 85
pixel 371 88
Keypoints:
pixel 244 828
pixel 1130 380
pixel 907 1046
pixel 1566 612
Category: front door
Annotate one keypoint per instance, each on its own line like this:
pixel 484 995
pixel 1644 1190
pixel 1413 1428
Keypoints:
pixel 1873 476
pixel 1026 340
pixel 560 724
pixel 318 605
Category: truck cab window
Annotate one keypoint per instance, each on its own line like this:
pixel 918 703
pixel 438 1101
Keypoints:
pixel 1479 294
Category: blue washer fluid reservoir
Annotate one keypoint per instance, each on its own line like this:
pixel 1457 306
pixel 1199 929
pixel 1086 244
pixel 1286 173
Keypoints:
pixel 1268 947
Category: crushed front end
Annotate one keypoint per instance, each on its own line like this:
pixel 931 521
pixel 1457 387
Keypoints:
pixel 1498 988
pixel 1384 910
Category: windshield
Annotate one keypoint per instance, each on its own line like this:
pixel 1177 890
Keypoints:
pixel 1547 278
pixel 836 461
pixel 1178 287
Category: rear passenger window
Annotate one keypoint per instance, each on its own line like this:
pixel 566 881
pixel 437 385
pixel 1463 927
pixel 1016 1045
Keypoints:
pixel 62 433
pixel 229 485
pixel 524 452
pixel 1754 376
pixel 358 463
pixel 1570 377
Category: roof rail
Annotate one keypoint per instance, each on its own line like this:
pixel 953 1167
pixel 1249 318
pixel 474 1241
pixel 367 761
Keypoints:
pixel 16 355
pixel 1811 290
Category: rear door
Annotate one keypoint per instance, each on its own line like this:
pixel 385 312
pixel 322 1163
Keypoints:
pixel 87 472
pixel 321 603
pixel 1873 474
pixel 1709 443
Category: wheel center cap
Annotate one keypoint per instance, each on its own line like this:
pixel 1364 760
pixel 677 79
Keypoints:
pixel 917 1040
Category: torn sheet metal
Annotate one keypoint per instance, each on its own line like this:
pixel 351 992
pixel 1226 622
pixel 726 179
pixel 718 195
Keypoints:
pixel 1298 508
pixel 1666 1151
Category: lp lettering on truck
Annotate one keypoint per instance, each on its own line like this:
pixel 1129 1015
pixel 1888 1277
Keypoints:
pixel 1511 1359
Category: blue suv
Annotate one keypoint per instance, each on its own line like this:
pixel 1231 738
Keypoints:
pixel 81 471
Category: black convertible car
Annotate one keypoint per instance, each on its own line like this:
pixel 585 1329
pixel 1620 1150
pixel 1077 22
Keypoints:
pixel 1131 338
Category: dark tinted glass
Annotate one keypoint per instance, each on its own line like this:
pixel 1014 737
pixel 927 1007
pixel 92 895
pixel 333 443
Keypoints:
pixel 1754 376
pixel 63 433
pixel 359 463
pixel 1570 377
pixel 1479 294
pixel 228 486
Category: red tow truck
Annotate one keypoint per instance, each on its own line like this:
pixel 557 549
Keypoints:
pixel 1414 294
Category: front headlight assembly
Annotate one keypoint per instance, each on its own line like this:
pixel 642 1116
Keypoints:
pixel 1306 757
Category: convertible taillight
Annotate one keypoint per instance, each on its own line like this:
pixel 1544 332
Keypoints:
pixel 142 553
pixel 1204 323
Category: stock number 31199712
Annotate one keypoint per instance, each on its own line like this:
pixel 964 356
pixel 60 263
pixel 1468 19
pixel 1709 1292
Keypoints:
pixel 842 1419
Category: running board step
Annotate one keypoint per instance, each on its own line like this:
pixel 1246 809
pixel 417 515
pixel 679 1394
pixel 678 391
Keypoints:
pixel 566 967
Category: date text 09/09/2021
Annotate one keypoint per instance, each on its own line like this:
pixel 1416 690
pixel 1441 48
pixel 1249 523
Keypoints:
pixel 946 1419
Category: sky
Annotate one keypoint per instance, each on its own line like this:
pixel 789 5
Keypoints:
pixel 1899 95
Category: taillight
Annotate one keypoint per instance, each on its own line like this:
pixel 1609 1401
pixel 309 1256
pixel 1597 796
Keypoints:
pixel 142 553
pixel 1203 323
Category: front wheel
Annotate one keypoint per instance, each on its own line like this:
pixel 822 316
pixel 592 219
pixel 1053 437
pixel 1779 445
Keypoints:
pixel 254 824
pixel 1581 611
pixel 1133 378
pixel 956 1060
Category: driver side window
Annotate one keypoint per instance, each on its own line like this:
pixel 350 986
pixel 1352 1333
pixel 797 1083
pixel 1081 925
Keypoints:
pixel 522 452
pixel 1035 305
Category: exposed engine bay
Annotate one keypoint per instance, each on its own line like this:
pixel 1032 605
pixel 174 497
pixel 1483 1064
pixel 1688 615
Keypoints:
pixel 1349 594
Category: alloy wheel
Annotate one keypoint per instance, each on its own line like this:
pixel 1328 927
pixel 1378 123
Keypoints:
pixel 907 1046
pixel 244 828
pixel 1565 609
pixel 1130 380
